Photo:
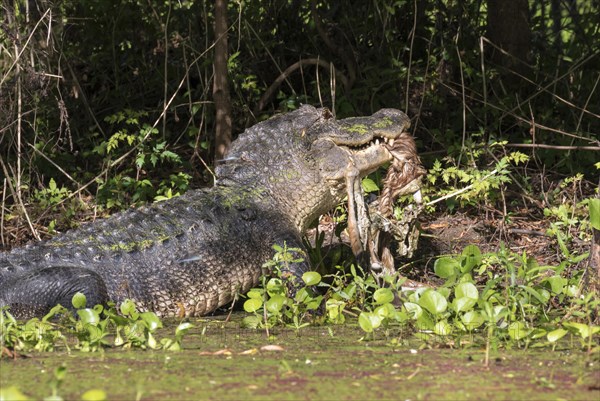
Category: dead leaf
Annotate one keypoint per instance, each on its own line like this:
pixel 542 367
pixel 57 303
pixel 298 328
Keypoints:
pixel 250 351
pixel 271 347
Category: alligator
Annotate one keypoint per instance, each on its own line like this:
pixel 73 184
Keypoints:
pixel 194 253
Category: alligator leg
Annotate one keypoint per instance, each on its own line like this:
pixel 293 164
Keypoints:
pixel 51 286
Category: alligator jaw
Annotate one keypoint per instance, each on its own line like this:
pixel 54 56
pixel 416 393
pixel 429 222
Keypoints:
pixel 368 160
pixel 363 162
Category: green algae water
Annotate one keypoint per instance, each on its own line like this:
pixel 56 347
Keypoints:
pixel 221 361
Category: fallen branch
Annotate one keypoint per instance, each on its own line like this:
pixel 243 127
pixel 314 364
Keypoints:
pixel 460 191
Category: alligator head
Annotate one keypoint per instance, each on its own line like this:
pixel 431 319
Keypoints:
pixel 307 161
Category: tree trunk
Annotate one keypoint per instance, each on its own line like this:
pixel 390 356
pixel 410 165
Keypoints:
pixel 508 28
pixel 221 85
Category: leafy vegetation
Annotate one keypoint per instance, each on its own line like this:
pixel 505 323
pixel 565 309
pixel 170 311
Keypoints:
pixel 500 299
pixel 114 120
pixel 92 329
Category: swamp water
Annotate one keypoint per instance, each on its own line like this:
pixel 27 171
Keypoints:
pixel 221 361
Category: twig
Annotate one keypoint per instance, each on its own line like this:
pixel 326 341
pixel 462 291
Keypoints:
pixel 517 117
pixel 18 56
pixel 410 54
pixel 2 213
pixel 542 89
pixel 19 201
pixel 464 101
pixel 270 92
pixel 338 49
pixel 587 101
pixel 53 163
pixel 555 147
pixel 481 52
pixel 166 69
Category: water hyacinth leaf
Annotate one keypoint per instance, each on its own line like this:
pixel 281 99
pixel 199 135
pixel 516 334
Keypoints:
pixel 471 257
pixel 582 329
pixel 253 304
pixel 334 310
pixel 386 310
pixel 94 395
pixel 95 333
pixel 89 316
pixel 152 321
pixel 169 345
pixel 383 295
pixel 313 303
pixel 518 330
pixel 255 293
pixel 442 328
pixel 467 290
pixel 445 291
pixel 275 286
pixel 425 322
pixel 183 328
pixel 275 303
pixel 556 335
pixel 414 310
pixel 311 278
pixel 375 320
pixel 434 302
pixel 463 304
pixel 152 343
pixel 53 312
pixel 446 267
pixel 12 393
pixel 472 320
pixel 79 300
pixel 365 323
pixel 369 321
pixel 128 308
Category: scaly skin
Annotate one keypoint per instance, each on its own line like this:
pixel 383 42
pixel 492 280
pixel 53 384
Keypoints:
pixel 194 253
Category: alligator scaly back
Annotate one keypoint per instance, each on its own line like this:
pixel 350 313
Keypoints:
pixel 194 253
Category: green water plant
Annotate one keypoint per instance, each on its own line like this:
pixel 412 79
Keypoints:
pixel 282 299
pixel 89 329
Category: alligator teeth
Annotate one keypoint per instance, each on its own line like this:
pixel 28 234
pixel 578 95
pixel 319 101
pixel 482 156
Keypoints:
pixel 377 141
pixel 391 141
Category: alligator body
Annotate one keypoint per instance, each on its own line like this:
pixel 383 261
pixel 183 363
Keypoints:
pixel 192 254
